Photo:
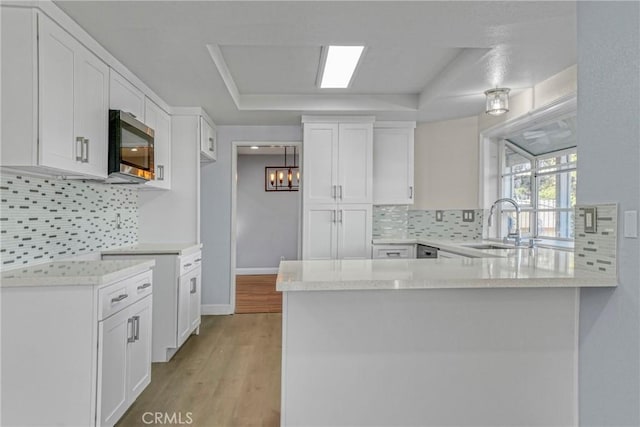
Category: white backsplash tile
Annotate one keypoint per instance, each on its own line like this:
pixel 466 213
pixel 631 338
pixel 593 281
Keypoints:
pixel 45 219
pixel 597 251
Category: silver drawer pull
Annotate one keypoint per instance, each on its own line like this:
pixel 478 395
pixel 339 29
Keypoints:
pixel 130 336
pixel 198 260
pixel 145 286
pixel 188 265
pixel 118 298
pixel 193 285
pixel 393 253
pixel 136 324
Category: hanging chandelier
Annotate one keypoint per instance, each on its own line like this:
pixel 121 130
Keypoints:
pixel 283 178
pixel 497 101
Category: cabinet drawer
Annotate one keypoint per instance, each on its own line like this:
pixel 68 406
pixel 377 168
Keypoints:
pixel 120 295
pixel 190 262
pixel 394 251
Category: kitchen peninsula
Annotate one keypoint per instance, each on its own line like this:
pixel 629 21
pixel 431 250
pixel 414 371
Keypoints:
pixel 469 341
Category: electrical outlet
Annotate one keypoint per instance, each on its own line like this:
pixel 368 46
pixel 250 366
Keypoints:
pixel 468 216
pixel 118 222
pixel 590 220
pixel 439 215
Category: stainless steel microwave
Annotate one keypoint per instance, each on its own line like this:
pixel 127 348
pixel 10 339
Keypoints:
pixel 131 154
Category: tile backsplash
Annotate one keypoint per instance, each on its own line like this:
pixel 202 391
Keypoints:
pixel 399 222
pixel 44 219
pixel 597 251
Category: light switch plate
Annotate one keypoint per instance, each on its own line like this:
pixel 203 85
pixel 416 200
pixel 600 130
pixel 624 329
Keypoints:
pixel 590 220
pixel 468 216
pixel 439 215
pixel 631 224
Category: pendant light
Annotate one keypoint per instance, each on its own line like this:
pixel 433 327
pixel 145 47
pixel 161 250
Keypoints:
pixel 497 101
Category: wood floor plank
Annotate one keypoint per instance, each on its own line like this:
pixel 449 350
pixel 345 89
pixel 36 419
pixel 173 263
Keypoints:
pixel 227 376
pixel 256 293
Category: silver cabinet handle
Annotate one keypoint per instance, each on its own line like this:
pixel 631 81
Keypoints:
pixel 118 298
pixel 393 253
pixel 341 192
pixel 136 324
pixel 333 191
pixel 130 113
pixel 160 173
pixel 333 216
pixel 193 285
pixel 85 157
pixel 340 218
pixel 145 286
pixel 79 148
pixel 130 335
pixel 188 265
pixel 411 192
pixel 210 144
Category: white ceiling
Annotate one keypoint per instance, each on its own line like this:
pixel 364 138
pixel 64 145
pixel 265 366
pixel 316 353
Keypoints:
pixel 256 62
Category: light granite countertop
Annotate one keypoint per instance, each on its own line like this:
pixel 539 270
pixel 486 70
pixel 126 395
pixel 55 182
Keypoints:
pixel 156 249
pixel 511 268
pixel 74 273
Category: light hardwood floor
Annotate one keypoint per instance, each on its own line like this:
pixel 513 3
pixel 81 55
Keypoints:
pixel 257 294
pixel 229 375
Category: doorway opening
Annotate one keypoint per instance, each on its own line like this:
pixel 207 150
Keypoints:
pixel 265 224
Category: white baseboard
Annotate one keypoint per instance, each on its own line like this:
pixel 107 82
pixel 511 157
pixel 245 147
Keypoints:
pixel 249 271
pixel 216 309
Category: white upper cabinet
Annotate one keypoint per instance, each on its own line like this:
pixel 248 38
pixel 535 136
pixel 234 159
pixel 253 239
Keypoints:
pixel 393 145
pixel 337 163
pixel 160 121
pixel 126 97
pixel 60 91
pixel 208 141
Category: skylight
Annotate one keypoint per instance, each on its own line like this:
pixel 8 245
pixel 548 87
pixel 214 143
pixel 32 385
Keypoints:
pixel 339 64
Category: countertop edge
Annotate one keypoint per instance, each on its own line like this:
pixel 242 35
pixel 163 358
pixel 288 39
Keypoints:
pixel 147 251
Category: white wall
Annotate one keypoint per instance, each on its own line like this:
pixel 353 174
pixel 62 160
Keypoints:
pixel 216 206
pixel 446 164
pixel 609 156
pixel 266 221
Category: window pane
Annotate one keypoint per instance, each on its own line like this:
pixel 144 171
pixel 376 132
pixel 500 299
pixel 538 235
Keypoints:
pixel 518 187
pixel 556 224
pixel 514 162
pixel 557 191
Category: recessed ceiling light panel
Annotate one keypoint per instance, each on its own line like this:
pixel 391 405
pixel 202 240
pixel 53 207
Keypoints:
pixel 339 64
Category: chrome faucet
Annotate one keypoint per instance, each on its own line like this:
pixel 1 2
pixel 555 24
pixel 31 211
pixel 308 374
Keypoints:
pixel 516 235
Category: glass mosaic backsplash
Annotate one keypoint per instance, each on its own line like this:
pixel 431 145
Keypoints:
pixel 46 219
pixel 597 251
pixel 398 222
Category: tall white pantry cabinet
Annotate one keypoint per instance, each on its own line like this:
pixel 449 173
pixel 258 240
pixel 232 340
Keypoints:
pixel 337 187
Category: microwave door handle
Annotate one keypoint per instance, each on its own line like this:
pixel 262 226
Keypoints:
pixel 79 148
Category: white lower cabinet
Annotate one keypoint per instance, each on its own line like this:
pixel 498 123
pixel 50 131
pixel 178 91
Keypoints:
pixel 393 251
pixel 124 359
pixel 337 231
pixel 176 298
pixel 75 354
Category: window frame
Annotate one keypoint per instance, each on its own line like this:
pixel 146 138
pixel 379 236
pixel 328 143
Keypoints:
pixel 535 172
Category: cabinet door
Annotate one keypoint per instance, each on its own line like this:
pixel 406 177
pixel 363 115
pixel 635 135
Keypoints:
pixel 125 96
pixel 113 334
pixel 320 225
pixel 139 352
pixel 59 146
pixel 208 142
pixel 354 231
pixel 158 120
pixel 194 298
pixel 355 161
pixel 92 112
pixel 320 167
pixel 184 303
pixel 393 166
